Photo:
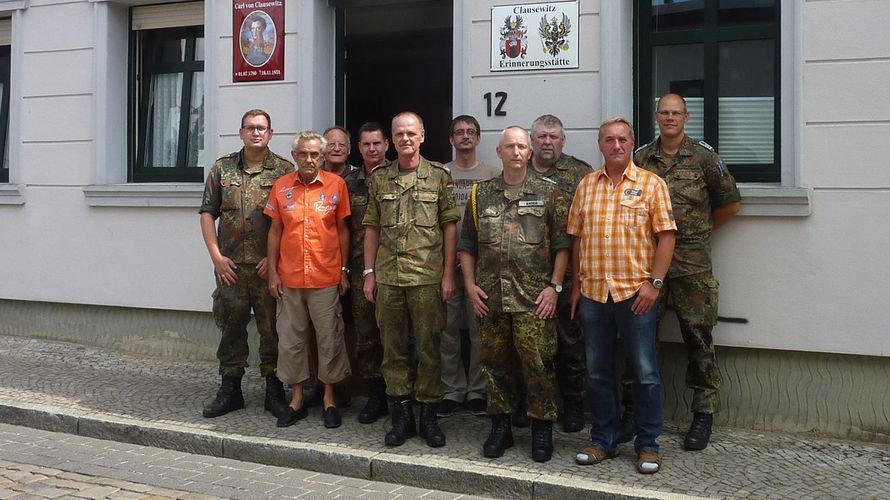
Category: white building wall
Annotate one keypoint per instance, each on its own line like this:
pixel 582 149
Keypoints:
pixel 812 283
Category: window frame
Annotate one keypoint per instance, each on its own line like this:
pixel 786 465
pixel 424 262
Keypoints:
pixel 710 35
pixel 5 77
pixel 141 71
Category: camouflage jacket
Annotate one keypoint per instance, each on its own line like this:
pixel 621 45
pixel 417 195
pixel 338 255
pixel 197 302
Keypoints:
pixel 237 195
pixel 567 173
pixel 410 210
pixel 698 182
pixel 516 238
pixel 357 184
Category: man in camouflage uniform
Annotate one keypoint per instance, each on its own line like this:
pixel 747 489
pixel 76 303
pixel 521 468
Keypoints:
pixel 235 192
pixel 372 145
pixel 548 160
pixel 514 251
pixel 410 246
pixel 704 196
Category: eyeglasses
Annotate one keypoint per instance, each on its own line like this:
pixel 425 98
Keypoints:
pixel 251 129
pixel 470 132
pixel 672 114
pixel 337 145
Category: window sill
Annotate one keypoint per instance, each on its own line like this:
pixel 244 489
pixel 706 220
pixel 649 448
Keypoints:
pixel 777 201
pixel 12 194
pixel 166 195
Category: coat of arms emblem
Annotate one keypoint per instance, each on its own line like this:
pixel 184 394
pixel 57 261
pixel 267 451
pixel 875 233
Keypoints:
pixel 513 38
pixel 553 34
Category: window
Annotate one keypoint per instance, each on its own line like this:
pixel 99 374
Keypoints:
pixel 167 98
pixel 723 57
pixel 4 98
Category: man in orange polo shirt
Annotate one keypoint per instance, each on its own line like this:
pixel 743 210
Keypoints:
pixel 623 230
pixel 307 252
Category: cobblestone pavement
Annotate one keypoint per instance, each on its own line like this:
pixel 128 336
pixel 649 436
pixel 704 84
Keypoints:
pixel 101 393
pixel 63 465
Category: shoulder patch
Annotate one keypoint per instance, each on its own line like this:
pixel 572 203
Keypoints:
pixel 706 146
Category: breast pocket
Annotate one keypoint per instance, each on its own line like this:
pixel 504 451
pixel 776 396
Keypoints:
pixel 634 213
pixel 426 208
pixel 231 195
pixel 389 209
pixel 531 224
pixel 688 188
pixel 490 222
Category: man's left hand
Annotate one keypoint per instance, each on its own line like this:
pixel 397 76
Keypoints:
pixel 343 286
pixel 546 302
pixel 646 298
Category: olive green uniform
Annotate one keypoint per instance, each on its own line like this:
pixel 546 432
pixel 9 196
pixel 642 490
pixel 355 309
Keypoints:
pixel 514 234
pixel 571 370
pixel 409 208
pixel 369 352
pixel 237 194
pixel 699 182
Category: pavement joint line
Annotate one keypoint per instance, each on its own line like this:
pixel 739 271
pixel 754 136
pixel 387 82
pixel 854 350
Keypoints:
pixel 425 471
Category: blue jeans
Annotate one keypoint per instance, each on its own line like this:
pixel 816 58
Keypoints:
pixel 600 324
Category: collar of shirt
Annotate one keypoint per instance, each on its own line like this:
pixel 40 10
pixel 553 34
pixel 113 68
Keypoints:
pixel 423 170
pixel 318 178
pixel 631 171
pixel 242 163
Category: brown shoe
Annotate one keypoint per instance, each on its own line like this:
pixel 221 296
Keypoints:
pixel 593 454
pixel 648 462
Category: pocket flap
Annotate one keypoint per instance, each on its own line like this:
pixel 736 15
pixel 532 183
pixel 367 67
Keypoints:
pixel 536 211
pixel 426 196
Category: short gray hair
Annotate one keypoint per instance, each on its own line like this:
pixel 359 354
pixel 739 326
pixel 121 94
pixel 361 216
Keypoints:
pixel 309 135
pixel 515 127
pixel 613 120
pixel 548 121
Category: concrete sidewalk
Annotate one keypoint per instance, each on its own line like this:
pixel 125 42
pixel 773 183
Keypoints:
pixel 104 394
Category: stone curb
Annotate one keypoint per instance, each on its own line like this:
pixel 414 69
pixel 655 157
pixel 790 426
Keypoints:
pixel 454 475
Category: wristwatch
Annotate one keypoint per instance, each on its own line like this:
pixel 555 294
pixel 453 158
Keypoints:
pixel 556 287
pixel 656 283
pixel 345 269
pixel 367 271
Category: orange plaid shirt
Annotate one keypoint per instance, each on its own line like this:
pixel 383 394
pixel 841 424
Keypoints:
pixel 616 227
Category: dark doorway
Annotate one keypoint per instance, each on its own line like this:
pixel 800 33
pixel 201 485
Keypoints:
pixel 396 56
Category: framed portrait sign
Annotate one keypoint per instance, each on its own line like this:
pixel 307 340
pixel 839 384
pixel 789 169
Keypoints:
pixel 258 40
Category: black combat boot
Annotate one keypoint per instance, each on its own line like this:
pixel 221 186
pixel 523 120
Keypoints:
pixel 699 432
pixel 403 426
pixel 542 440
pixel 572 415
pixel 500 438
pixel 429 426
pixel 275 401
pixel 376 406
pixel 228 398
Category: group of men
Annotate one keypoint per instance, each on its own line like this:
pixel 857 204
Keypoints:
pixel 542 263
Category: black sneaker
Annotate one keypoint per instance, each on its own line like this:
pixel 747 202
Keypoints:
pixel 447 408
pixel 290 416
pixel 477 406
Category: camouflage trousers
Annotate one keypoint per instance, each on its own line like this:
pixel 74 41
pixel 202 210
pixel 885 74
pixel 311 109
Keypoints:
pixel 232 305
pixel 535 342
pixel 694 299
pixel 368 349
pixel 571 367
pixel 420 309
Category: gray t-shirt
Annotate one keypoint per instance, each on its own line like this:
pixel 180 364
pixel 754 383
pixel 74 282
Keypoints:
pixel 464 178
